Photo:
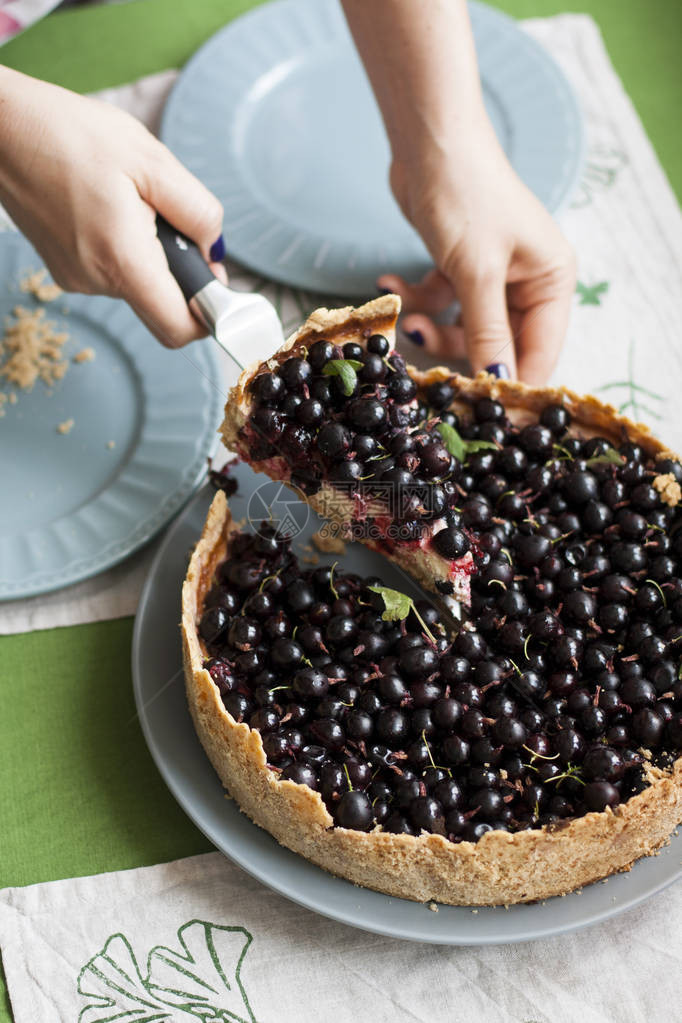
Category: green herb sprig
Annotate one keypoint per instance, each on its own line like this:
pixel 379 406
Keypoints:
pixel 458 446
pixel 397 607
pixel 346 371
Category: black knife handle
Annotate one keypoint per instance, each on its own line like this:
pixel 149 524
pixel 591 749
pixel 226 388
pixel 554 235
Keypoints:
pixel 185 261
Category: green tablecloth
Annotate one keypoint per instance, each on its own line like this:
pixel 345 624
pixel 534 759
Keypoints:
pixel 79 792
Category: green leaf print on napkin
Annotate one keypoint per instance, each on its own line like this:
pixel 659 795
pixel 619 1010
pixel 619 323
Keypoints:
pixel 635 395
pixel 199 982
pixel 600 173
pixel 590 294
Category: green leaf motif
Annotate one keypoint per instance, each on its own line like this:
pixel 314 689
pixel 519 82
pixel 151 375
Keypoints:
pixel 452 440
pixel 590 293
pixel 639 401
pixel 397 607
pixel 608 457
pixel 460 448
pixel 200 981
pixel 346 370
pixel 479 445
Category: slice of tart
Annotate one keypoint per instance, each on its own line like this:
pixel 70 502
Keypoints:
pixel 336 415
pixel 533 751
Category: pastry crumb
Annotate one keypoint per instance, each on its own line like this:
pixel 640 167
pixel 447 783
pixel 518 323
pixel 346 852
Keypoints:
pixel 111 444
pixel 433 907
pixel 33 349
pixel 85 355
pixel 328 544
pixel 474 911
pixel 668 488
pixel 35 284
pixel 66 427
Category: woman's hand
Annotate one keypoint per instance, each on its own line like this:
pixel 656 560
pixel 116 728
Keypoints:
pixel 494 246
pixel 496 250
pixel 84 181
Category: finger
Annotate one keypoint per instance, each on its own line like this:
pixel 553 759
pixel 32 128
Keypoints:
pixel 540 338
pixel 431 295
pixel 155 296
pixel 220 272
pixel 440 340
pixel 487 332
pixel 184 201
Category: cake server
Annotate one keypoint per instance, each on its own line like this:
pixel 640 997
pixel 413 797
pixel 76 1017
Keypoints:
pixel 245 325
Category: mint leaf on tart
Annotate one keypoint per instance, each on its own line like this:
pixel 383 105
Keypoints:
pixel 346 370
pixel 460 448
pixel 608 457
pixel 397 607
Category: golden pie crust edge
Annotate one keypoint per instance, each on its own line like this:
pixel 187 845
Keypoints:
pixel 501 868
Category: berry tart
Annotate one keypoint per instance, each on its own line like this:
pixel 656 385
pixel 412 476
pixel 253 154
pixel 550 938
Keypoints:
pixel 529 751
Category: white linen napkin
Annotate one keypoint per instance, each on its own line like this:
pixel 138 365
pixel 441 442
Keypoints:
pixel 623 342
pixel 172 942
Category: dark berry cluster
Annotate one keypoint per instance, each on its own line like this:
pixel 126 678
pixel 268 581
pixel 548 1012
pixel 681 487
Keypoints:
pixel 538 713
pixel 364 429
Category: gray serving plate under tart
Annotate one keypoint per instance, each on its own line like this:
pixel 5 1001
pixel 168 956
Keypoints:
pixel 162 707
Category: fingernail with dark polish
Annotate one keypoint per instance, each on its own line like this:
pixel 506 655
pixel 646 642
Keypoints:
pixel 384 291
pixel 416 337
pixel 499 370
pixel 218 251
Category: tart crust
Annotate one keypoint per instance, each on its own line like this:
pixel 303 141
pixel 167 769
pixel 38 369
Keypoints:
pixel 500 869
pixel 522 403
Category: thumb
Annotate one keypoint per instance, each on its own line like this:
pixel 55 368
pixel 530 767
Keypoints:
pixel 485 319
pixel 184 201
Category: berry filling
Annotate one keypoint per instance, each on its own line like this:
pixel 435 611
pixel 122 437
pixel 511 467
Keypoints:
pixel 555 697
pixel 351 417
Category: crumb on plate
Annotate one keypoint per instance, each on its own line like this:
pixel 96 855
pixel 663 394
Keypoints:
pixel 31 349
pixel 328 544
pixel 85 355
pixel 66 426
pixel 35 284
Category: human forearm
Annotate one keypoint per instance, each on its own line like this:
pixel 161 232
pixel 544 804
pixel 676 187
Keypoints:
pixel 421 61
pixel 494 246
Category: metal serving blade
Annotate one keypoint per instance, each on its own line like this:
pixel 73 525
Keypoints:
pixel 246 326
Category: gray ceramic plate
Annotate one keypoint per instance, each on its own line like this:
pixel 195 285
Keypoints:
pixel 145 419
pixel 275 114
pixel 160 696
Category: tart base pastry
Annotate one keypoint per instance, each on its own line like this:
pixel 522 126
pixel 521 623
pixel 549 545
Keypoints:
pixel 500 869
